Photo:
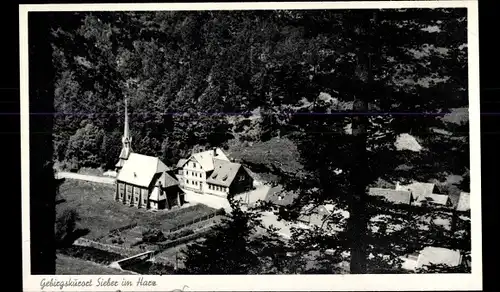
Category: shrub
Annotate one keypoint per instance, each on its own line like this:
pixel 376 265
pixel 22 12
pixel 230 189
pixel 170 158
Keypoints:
pixel 91 254
pixel 117 240
pixel 153 235
pixel 182 233
pixel 65 226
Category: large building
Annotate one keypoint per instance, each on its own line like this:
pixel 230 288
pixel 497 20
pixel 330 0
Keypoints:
pixel 144 181
pixel 211 172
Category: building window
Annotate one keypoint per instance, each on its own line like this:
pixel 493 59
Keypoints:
pixel 187 181
pixel 136 199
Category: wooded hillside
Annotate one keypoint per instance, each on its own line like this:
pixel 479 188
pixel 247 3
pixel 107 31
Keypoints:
pixel 337 86
pixel 190 76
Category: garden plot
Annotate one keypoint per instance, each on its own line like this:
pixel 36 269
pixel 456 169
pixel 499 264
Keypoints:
pixel 100 213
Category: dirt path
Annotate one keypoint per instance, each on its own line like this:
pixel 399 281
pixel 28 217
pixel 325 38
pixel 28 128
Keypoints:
pixel 85 177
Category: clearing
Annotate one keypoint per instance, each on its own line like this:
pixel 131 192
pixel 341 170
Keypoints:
pixel 100 213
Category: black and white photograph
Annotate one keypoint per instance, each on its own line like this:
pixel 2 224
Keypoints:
pixel 272 140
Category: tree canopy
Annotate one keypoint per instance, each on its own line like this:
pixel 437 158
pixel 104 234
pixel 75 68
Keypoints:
pixel 343 85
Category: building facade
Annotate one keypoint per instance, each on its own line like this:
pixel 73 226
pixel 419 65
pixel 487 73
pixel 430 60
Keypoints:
pixel 211 172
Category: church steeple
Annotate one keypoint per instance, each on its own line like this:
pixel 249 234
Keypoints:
pixel 126 141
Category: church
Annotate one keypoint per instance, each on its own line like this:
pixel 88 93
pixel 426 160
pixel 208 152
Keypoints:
pixel 144 181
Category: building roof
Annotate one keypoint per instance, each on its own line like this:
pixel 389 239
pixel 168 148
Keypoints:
pixel 276 196
pixel 394 196
pixel 167 180
pixel 157 194
pixel 206 158
pixel 314 215
pixel 417 189
pixel 141 169
pixel 438 255
pixel 435 199
pixel 463 202
pixel 125 152
pixel 120 163
pixel 407 142
pixel 181 162
pixel 224 172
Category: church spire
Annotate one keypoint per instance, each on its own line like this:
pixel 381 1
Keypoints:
pixel 126 140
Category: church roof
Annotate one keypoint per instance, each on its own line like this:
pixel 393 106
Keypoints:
pixel 125 153
pixel 224 172
pixel 206 158
pixel 167 180
pixel 120 163
pixel 140 169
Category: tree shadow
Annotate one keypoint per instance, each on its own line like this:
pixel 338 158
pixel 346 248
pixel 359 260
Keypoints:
pixel 73 236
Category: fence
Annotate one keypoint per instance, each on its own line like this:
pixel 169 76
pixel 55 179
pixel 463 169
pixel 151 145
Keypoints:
pixel 199 219
pixel 178 241
pixel 119 229
pixel 126 251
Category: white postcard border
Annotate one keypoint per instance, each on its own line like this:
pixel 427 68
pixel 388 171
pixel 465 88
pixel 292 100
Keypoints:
pixel 410 282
